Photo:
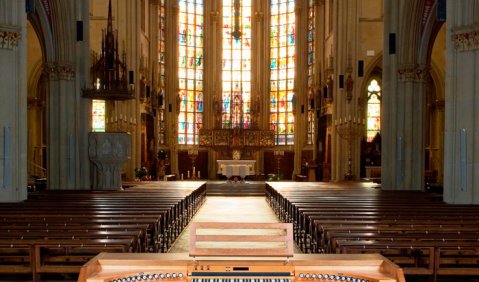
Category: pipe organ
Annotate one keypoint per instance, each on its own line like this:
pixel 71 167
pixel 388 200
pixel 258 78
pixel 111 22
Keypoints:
pixel 236 262
pixel 128 267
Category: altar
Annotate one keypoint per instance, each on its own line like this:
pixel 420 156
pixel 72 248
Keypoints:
pixel 240 168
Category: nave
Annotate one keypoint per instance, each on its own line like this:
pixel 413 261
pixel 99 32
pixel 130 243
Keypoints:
pixel 52 234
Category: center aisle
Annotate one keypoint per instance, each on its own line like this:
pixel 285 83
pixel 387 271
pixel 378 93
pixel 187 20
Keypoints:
pixel 228 209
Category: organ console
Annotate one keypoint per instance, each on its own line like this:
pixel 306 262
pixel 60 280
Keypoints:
pixel 202 266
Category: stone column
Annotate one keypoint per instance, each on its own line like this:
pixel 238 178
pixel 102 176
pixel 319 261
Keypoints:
pixel 461 153
pixel 67 111
pixel 345 98
pixel 172 102
pixel 127 20
pixel 403 99
pixel 212 75
pixel 13 105
pixel 301 86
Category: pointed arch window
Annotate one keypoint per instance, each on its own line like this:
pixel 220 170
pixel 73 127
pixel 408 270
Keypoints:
pixel 311 62
pixel 98 115
pixel 236 70
pixel 373 110
pixel 190 71
pixel 162 72
pixel 282 66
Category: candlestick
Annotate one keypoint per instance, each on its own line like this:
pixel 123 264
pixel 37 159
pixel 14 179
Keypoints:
pixel 188 174
pixel 199 176
pixel 182 176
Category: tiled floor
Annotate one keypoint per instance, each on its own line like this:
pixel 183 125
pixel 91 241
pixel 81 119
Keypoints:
pixel 229 209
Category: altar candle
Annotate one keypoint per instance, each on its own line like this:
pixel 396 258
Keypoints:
pixel 194 169
pixel 199 176
pixel 188 174
pixel 182 176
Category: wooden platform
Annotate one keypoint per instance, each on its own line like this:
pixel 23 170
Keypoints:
pixel 235 189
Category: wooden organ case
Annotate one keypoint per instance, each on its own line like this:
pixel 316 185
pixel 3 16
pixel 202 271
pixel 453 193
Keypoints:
pixel 239 264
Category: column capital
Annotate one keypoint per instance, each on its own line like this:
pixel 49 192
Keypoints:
pixel 214 15
pixel 9 37
pixel 258 16
pixel 410 73
pixel 466 39
pixel 60 70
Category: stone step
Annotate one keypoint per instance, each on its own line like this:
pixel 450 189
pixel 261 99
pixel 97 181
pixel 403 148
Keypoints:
pixel 234 189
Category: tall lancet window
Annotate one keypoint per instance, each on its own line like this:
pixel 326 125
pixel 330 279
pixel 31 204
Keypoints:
pixel 282 65
pixel 311 92
pixel 374 110
pixel 98 115
pixel 190 71
pixel 236 70
pixel 162 72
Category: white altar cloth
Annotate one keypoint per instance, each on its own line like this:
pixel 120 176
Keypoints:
pixel 241 168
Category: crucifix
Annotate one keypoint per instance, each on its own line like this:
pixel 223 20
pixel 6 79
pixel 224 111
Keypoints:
pixel 237 32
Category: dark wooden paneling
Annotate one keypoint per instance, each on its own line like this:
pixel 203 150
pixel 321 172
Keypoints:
pixel 286 165
pixel 185 164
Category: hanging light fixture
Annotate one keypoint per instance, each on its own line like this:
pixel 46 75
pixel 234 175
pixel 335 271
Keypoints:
pixel 237 14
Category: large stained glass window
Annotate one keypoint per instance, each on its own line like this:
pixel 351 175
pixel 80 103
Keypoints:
pixel 161 72
pixel 236 64
pixel 374 110
pixel 311 35
pixel 190 71
pixel 282 64
pixel 98 115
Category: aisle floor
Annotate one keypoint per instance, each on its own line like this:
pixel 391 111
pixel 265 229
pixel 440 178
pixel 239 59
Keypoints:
pixel 228 209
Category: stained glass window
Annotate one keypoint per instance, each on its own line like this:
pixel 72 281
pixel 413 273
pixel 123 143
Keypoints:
pixel 374 110
pixel 310 37
pixel 98 115
pixel 190 71
pixel 236 64
pixel 161 72
pixel 282 64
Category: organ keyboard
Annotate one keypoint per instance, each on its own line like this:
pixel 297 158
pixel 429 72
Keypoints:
pixel 129 267
pixel 234 263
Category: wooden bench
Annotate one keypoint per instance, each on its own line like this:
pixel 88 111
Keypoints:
pixel 414 229
pixel 58 231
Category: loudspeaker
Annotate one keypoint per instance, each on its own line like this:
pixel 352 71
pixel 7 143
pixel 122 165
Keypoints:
pixel 311 103
pixel 441 10
pixel 392 43
pixel 360 68
pixel 148 91
pixel 30 6
pixel 341 81
pixel 79 30
pixel 131 77
pixel 325 92
pixel 302 109
pixel 169 108
pixel 160 100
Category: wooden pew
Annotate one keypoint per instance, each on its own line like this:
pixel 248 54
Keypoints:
pixel 414 229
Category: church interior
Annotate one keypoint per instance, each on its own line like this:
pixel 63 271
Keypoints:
pixel 127 126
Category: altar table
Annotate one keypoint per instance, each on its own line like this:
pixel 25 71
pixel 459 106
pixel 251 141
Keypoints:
pixel 240 168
